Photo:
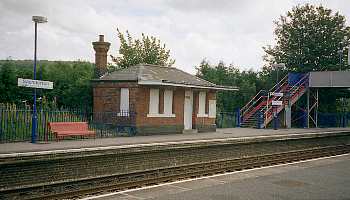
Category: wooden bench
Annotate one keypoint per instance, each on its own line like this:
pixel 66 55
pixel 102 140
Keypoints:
pixel 63 129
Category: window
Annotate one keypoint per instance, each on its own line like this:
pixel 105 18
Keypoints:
pixel 168 102
pixel 154 101
pixel 124 102
pixel 212 108
pixel 201 104
pixel 154 104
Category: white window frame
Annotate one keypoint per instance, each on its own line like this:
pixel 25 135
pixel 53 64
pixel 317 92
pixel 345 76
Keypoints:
pixel 202 99
pixel 168 102
pixel 124 102
pixel 153 101
pixel 212 108
pixel 154 104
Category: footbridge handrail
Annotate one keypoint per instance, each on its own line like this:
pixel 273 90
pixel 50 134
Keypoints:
pixel 279 84
pixel 245 108
pixel 295 87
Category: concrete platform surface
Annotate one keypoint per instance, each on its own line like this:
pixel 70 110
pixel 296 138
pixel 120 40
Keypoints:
pixel 19 147
pixel 322 179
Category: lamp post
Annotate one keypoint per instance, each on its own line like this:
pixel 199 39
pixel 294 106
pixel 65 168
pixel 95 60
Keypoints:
pixel 274 108
pixel 36 20
pixel 340 52
pixel 343 45
pixel 347 43
pixel 277 67
pixel 349 55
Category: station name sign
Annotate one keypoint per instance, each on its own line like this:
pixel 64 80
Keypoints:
pixel 276 94
pixel 276 103
pixel 35 83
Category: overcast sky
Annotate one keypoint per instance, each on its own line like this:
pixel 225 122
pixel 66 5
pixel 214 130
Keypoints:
pixel 233 31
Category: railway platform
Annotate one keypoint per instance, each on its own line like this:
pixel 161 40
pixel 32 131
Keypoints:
pixel 325 178
pixel 75 169
pixel 227 133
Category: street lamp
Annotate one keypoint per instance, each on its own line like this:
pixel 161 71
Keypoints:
pixel 274 107
pixel 347 42
pixel 349 55
pixel 340 52
pixel 36 20
pixel 277 67
pixel 343 44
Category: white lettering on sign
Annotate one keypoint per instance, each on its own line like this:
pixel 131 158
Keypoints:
pixel 35 83
pixel 276 94
pixel 276 103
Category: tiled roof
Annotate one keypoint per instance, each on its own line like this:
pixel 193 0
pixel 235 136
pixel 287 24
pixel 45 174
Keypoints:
pixel 155 73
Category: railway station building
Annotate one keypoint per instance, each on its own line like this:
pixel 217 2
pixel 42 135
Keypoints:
pixel 153 99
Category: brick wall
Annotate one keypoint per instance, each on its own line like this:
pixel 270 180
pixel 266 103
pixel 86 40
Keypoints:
pixel 107 99
pixel 147 125
pixel 204 124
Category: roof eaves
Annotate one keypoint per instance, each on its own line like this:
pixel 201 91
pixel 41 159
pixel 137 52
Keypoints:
pixel 214 87
pixel 111 80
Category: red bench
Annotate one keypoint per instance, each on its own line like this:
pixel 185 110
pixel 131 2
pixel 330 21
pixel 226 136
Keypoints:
pixel 63 129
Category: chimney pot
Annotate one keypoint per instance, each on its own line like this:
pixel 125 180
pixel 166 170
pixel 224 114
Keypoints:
pixel 102 38
pixel 101 48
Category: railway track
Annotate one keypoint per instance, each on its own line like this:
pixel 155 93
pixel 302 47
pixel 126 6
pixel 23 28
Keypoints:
pixel 75 189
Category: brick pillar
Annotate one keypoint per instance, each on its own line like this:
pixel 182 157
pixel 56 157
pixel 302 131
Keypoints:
pixel 101 48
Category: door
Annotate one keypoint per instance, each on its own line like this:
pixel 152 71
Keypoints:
pixel 188 109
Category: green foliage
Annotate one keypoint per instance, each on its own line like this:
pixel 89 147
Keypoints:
pixel 7 83
pixel 221 74
pixel 308 39
pixel 147 50
pixel 72 86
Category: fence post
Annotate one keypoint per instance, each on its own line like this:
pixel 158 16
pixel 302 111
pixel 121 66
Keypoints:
pixel 305 119
pixel 238 117
pixel 260 120
pixel 222 120
pixel 275 119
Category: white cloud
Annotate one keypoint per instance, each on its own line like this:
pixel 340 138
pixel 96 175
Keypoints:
pixel 232 31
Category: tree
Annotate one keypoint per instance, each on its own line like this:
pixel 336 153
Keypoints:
pixel 147 50
pixel 72 86
pixel 221 74
pixel 308 39
pixel 8 82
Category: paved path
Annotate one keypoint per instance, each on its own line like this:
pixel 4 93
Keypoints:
pixel 220 133
pixel 321 179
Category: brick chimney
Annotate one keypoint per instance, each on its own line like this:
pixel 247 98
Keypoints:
pixel 101 48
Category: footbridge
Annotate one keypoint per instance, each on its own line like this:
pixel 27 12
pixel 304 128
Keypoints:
pixel 265 105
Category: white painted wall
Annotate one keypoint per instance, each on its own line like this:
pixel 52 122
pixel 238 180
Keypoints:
pixel 188 109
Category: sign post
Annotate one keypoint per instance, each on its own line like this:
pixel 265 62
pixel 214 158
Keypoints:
pixel 275 104
pixel 34 84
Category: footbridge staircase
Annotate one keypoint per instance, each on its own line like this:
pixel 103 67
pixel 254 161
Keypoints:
pixel 287 91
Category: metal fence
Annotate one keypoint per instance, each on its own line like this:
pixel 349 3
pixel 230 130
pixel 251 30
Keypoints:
pixel 16 123
pixel 333 119
pixel 226 120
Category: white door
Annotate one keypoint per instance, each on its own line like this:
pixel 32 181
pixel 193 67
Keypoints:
pixel 188 109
